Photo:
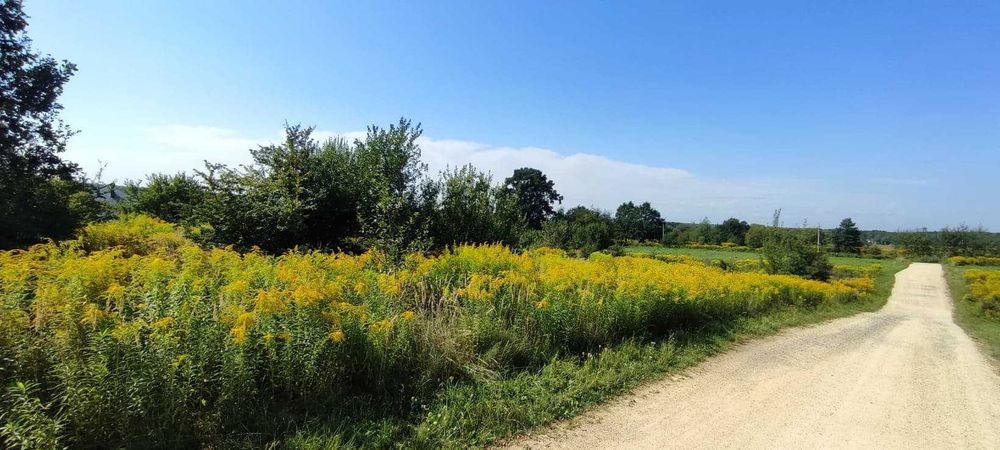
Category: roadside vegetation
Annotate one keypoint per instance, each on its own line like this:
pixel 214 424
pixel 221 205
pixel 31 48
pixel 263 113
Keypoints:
pixel 335 293
pixel 975 291
pixel 134 334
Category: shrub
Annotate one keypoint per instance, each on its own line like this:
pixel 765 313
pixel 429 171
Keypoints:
pixel 974 260
pixel 787 253
pixel 984 289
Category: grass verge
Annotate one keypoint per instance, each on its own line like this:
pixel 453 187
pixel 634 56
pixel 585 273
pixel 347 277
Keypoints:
pixel 967 314
pixel 488 411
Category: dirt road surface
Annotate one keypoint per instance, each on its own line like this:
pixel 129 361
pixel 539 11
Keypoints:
pixel 903 377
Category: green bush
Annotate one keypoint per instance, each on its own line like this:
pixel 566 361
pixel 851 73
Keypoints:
pixel 786 253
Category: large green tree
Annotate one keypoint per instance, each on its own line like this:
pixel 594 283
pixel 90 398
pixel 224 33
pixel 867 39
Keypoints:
pixel 397 199
pixel 535 193
pixel 40 194
pixel 642 222
pixel 734 230
pixel 846 237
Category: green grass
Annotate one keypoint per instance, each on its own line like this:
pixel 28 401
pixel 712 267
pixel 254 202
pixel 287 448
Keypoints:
pixel 488 411
pixel 967 314
pixel 700 254
pixel 729 255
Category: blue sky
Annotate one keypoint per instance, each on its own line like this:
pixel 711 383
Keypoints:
pixel 888 112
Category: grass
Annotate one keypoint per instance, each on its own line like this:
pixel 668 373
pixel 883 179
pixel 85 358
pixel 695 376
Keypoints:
pixel 967 314
pixel 701 254
pixel 477 414
pixel 705 255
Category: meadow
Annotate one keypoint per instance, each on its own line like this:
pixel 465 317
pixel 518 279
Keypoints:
pixel 133 333
pixel 729 255
pixel 975 290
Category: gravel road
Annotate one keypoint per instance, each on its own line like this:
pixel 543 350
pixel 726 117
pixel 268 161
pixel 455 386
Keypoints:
pixel 902 377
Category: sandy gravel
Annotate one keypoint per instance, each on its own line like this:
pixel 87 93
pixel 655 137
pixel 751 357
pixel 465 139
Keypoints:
pixel 904 377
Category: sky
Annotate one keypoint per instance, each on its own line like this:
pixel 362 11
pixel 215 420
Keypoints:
pixel 884 111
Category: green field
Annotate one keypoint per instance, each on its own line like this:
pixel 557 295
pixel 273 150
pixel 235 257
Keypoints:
pixel 703 254
pixel 967 315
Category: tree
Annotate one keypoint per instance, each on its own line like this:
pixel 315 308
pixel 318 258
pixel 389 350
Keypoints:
pixel 641 222
pixel 704 233
pixel 734 230
pixel 580 230
pixel 397 201
pixel 918 243
pixel 172 198
pixel 473 210
pixel 846 237
pixel 42 195
pixel 756 235
pixel 535 193
pixel 964 240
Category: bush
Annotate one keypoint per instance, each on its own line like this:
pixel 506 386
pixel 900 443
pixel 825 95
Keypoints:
pixel 787 253
pixel 974 260
pixel 984 289
pixel 580 230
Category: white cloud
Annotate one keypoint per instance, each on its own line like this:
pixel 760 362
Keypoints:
pixel 198 139
pixel 586 179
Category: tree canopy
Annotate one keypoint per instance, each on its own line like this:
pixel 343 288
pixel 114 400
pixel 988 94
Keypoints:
pixel 846 237
pixel 43 196
pixel 535 193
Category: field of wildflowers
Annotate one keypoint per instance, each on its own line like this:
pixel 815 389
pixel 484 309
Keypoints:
pixel 974 260
pixel 984 290
pixel 134 333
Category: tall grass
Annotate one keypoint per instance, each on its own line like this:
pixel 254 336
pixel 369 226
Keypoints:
pixel 132 334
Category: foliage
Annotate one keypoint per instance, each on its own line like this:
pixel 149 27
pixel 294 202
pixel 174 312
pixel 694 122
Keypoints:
pixel 473 210
pixel 535 194
pixel 846 237
pixel 755 236
pixel 169 344
pixel 970 312
pixel 27 423
pixel 788 253
pixel 173 198
pixel 397 200
pixel 841 271
pixel 580 230
pixel 918 243
pixel 734 230
pixel 42 195
pixel 966 241
pixel 974 260
pixel 984 290
pixel 641 223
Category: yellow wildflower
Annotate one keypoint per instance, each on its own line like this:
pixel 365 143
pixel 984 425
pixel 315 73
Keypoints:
pixel 239 334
